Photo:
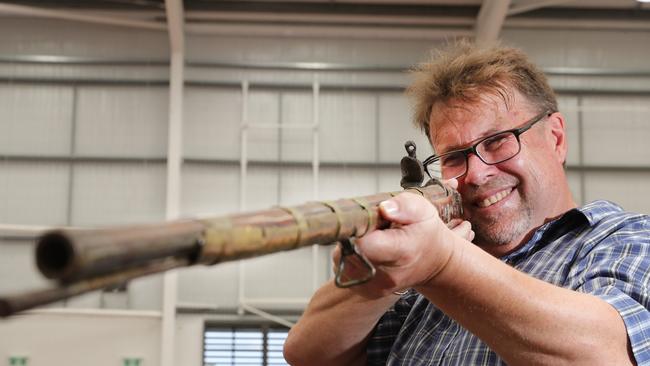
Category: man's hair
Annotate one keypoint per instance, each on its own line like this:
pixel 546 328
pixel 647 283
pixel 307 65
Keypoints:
pixel 463 72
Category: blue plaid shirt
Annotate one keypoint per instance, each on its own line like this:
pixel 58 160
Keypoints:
pixel 598 249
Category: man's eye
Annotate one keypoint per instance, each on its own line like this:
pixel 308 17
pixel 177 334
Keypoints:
pixel 495 142
pixel 452 160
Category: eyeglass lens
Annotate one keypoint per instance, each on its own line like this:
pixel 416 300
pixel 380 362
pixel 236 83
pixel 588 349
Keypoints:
pixel 492 150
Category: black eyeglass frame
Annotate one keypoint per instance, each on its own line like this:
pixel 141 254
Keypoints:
pixel 472 149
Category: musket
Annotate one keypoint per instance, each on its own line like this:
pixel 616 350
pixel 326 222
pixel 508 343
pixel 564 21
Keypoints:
pixel 83 260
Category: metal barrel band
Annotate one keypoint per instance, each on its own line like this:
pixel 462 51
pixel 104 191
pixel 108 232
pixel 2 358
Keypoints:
pixel 301 222
pixel 348 249
pixel 337 212
pixel 371 219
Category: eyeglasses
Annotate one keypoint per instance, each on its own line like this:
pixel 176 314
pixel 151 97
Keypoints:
pixel 493 149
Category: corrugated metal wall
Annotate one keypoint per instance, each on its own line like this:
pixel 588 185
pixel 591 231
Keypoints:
pixel 85 144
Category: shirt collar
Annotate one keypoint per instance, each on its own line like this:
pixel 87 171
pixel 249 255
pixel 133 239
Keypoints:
pixel 595 211
pixel 587 215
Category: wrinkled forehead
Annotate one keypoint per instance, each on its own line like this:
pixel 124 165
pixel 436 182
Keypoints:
pixel 456 124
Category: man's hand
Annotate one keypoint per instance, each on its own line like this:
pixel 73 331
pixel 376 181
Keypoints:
pixel 413 250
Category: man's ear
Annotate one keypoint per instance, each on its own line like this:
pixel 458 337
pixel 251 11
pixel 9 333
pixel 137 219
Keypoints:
pixel 558 137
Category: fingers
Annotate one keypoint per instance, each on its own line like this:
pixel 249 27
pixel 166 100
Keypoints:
pixel 462 229
pixel 453 183
pixel 407 208
pixel 336 257
pixel 383 247
pixel 454 222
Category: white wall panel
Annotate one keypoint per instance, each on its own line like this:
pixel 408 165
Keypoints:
pixel 34 193
pixel 90 300
pixel 396 127
pixel 55 339
pixel 212 120
pixel 298 49
pixel 35 119
pixel 346 182
pixel 583 48
pixel 616 130
pixel 18 270
pixel 629 190
pixel 606 83
pixel 263 109
pixel 280 275
pixel 389 179
pixel 63 72
pixel 122 121
pixel 612 50
pixel 118 194
pixel 298 78
pixel 296 185
pixel 297 144
pixel 209 190
pixel 575 185
pixel 146 293
pixel 262 187
pixel 189 334
pixel 214 286
pixel 348 127
pixel 568 106
pixel 22 35
pixel 325 263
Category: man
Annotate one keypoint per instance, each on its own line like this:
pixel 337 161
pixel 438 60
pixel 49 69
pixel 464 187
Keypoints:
pixel 543 283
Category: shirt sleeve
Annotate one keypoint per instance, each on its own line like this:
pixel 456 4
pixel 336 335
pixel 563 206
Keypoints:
pixel 617 271
pixel 386 331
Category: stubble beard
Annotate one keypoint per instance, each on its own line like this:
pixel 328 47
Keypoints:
pixel 502 229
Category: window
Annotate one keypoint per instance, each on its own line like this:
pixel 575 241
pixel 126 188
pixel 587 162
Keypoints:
pixel 245 346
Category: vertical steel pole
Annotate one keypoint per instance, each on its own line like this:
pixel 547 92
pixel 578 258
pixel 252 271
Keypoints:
pixel 315 170
pixel 175 20
pixel 243 173
pixel 73 153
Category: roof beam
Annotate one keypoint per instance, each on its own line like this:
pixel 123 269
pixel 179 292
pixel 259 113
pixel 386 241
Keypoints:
pixel 490 21
pixel 66 14
pixel 523 6
pixel 176 23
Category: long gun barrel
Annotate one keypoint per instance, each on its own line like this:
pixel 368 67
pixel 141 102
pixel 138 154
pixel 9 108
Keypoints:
pixel 83 260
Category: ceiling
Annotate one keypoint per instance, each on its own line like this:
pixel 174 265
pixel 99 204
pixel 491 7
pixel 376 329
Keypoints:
pixel 159 4
pixel 355 18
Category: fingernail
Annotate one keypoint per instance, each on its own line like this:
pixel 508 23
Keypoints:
pixel 389 207
pixel 453 183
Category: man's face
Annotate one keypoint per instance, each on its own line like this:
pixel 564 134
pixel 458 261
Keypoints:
pixel 506 201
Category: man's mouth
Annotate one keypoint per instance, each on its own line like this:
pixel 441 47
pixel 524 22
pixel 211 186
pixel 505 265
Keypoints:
pixel 489 201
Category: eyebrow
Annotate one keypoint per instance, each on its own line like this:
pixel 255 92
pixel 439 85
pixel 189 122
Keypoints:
pixel 457 147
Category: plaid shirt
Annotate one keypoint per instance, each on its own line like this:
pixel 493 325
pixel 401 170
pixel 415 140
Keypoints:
pixel 597 249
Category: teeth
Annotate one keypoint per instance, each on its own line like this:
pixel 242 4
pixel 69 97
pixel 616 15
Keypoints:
pixel 494 198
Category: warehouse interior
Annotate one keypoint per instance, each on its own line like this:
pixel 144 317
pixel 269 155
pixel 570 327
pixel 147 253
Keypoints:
pixel 117 112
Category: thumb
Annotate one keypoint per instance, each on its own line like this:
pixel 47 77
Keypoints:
pixel 407 208
pixel 453 183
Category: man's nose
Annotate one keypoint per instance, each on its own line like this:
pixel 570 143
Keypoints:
pixel 478 172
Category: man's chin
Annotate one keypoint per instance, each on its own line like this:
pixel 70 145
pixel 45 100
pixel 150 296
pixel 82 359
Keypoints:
pixel 492 239
pixel 501 230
